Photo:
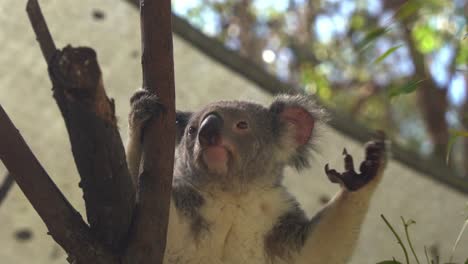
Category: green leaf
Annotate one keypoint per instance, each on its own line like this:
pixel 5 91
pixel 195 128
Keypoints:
pixel 389 262
pixel 371 36
pixel 408 9
pixel 407 88
pixel 454 135
pixel 357 21
pixel 387 53
pixel 466 261
pixel 462 56
pixel 427 39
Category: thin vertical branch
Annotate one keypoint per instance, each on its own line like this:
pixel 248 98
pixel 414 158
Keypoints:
pixel 40 29
pixel 149 238
pixel 397 237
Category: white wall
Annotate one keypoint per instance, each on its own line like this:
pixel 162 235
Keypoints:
pixel 26 96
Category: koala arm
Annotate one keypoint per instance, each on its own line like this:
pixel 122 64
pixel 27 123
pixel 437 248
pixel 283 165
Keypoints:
pixel 333 237
pixel 133 151
pixel 144 106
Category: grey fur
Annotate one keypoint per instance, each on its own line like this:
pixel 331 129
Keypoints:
pixel 289 234
pixel 188 201
pixel 257 150
pixel 258 160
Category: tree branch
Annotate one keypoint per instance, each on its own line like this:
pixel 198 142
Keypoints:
pixel 96 145
pixel 149 238
pixel 6 186
pixel 64 223
pixel 40 29
pixel 432 100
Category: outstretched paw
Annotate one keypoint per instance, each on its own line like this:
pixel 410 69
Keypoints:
pixel 144 106
pixel 374 162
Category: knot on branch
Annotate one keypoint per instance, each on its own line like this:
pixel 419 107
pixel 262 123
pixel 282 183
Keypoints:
pixel 76 70
pixel 77 78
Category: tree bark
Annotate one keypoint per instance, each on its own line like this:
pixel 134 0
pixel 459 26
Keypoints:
pixel 98 151
pixel 5 187
pixel 250 45
pixel 64 223
pixel 464 121
pixel 432 99
pixel 96 145
pixel 148 242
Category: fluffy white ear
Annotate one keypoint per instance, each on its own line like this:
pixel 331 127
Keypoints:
pixel 296 118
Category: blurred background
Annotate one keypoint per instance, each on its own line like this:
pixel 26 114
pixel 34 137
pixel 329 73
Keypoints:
pixel 359 56
pixel 399 66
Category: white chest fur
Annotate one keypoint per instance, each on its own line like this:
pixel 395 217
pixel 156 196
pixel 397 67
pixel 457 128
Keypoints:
pixel 237 225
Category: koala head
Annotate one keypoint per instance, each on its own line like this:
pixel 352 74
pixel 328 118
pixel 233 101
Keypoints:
pixel 240 142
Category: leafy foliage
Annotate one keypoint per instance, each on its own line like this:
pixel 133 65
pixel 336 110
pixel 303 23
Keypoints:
pixel 407 88
pixel 355 55
pixel 387 53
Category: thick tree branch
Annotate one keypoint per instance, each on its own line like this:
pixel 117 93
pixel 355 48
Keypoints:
pixel 149 238
pixel 64 223
pixel 97 148
pixel 6 185
pixel 96 144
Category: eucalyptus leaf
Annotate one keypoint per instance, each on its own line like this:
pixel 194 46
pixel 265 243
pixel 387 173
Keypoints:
pixel 389 262
pixel 371 36
pixel 407 88
pixel 387 53
pixel 408 9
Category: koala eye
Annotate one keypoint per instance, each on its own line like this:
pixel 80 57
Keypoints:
pixel 242 125
pixel 192 130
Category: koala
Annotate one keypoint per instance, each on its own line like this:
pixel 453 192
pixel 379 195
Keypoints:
pixel 228 202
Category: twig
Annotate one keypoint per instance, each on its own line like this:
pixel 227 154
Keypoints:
pixel 149 240
pixel 406 225
pixel 397 237
pixel 64 223
pixel 6 186
pixel 40 28
pixel 427 256
pixel 458 240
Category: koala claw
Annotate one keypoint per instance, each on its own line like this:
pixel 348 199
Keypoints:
pixel 369 168
pixel 145 105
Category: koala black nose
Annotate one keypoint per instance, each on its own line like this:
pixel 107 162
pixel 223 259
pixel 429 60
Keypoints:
pixel 210 130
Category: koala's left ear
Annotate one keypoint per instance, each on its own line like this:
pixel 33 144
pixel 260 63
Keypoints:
pixel 296 118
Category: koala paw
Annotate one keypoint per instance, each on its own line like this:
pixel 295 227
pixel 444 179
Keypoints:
pixel 372 165
pixel 144 106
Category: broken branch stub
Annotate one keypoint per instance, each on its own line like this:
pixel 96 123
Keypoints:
pixel 96 144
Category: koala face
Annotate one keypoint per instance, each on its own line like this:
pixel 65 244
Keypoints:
pixel 240 142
